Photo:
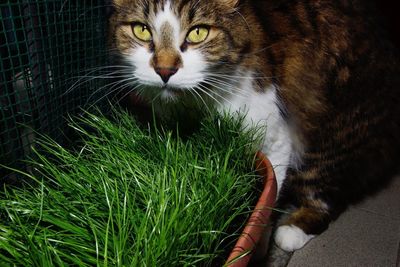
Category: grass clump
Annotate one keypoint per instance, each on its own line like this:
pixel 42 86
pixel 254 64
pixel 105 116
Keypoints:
pixel 131 197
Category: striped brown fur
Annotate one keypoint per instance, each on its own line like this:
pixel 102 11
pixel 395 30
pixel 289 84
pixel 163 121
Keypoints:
pixel 339 84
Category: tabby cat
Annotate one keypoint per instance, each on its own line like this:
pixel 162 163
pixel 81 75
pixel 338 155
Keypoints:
pixel 318 73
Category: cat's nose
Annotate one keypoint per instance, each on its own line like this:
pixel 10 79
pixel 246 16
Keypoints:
pixel 166 73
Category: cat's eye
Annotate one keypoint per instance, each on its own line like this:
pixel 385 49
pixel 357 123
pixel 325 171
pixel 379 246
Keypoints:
pixel 142 32
pixel 197 35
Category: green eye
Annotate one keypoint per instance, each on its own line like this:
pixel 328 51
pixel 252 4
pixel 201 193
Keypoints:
pixel 197 35
pixel 142 32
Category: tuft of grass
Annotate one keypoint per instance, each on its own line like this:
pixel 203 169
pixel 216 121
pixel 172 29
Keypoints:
pixel 132 197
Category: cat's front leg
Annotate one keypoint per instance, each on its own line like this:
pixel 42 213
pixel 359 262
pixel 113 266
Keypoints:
pixel 291 235
pixel 308 214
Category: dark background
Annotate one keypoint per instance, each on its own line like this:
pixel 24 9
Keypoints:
pixel 390 12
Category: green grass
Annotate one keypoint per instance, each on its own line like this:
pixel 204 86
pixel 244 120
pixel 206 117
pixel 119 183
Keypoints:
pixel 132 197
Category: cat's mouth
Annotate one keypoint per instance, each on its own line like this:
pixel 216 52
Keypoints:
pixel 172 90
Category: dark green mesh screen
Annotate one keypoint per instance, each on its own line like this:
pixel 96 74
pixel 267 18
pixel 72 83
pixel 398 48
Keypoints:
pixel 45 47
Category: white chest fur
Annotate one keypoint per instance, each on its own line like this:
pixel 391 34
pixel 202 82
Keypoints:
pixel 262 109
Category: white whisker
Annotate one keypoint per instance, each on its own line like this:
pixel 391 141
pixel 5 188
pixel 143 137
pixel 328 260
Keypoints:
pixel 201 98
pixel 135 88
pixel 112 88
pixel 111 92
pixel 204 90
pixel 91 78
pixel 233 91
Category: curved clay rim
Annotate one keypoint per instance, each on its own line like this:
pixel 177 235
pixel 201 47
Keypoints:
pixel 256 225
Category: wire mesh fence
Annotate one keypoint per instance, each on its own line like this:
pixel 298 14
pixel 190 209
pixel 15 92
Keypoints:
pixel 45 47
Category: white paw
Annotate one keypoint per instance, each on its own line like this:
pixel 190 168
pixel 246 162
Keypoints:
pixel 291 238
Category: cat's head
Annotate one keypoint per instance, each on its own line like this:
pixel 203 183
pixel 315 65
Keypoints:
pixel 178 45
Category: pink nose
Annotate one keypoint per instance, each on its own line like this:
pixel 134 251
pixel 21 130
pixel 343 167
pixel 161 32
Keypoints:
pixel 166 73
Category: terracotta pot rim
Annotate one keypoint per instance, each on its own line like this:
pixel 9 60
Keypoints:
pixel 258 221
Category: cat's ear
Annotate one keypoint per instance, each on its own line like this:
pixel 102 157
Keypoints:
pixel 229 3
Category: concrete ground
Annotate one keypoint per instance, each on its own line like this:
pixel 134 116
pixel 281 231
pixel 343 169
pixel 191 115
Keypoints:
pixel 367 234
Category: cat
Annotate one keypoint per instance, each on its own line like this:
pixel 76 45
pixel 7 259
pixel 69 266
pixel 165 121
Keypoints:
pixel 318 73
